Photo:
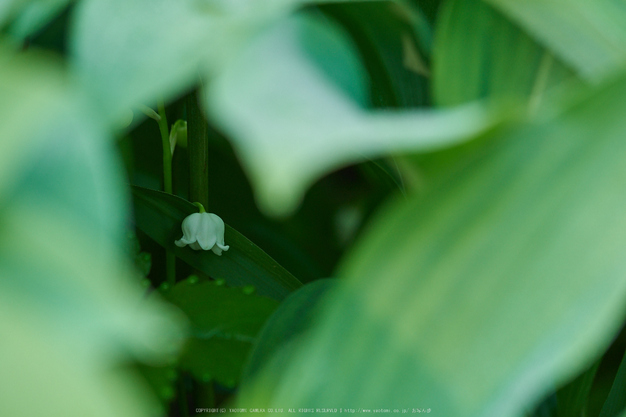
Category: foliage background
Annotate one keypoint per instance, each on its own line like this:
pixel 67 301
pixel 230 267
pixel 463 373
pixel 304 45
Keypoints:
pixel 455 166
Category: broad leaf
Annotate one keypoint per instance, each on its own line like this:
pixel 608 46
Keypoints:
pixel 479 54
pixel 295 315
pixel 128 52
pixel 34 16
pixel 385 35
pixel 477 298
pixel 70 312
pixel 589 35
pixel 160 216
pixel 224 325
pixel 291 123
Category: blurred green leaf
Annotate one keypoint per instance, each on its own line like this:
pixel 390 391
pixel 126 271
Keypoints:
pixel 477 298
pixel 498 60
pixel 589 35
pixel 295 315
pixel 224 325
pixel 8 8
pixel 34 16
pixel 70 312
pixel 616 401
pixel 128 52
pixel 162 381
pixel 160 216
pixel 290 123
pixel 390 38
pixel 572 399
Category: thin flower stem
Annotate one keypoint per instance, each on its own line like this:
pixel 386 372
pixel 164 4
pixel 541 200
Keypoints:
pixel 170 258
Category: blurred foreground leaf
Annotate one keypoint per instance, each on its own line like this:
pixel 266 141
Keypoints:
pixel 498 59
pixel 136 51
pixel 589 35
pixel 160 216
pixel 478 297
pixel 70 313
pixel 34 16
pixel 290 123
pixel 390 38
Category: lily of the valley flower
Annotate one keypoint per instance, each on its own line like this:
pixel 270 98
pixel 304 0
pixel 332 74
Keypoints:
pixel 203 231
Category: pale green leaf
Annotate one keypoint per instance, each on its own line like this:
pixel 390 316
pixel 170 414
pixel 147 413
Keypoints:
pixel 589 35
pixel 35 15
pixel 128 52
pixel 8 8
pixel 476 299
pixel 479 54
pixel 70 312
pixel 291 124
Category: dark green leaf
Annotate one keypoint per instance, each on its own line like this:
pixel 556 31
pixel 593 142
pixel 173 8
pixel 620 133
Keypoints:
pixel 293 317
pixel 224 325
pixel 616 401
pixel 572 398
pixel 160 216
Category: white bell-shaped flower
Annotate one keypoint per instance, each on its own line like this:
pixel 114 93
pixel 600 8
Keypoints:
pixel 203 231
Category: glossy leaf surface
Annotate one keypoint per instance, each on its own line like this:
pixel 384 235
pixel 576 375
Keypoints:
pixel 160 216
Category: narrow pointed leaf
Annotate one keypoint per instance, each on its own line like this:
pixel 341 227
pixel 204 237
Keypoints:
pixel 160 216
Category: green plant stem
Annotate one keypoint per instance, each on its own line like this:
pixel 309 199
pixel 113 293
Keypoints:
pixel 170 258
pixel 182 401
pixel 198 147
pixel 167 154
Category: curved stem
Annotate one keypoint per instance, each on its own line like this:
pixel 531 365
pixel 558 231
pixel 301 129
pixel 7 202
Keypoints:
pixel 200 207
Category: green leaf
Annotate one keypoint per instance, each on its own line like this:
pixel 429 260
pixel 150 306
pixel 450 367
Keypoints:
pixel 291 124
pixel 391 38
pixel 162 381
pixel 479 297
pixel 128 52
pixel 34 16
pixel 498 60
pixel 70 311
pixel 589 35
pixel 8 8
pixel 572 399
pixel 616 401
pixel 294 316
pixel 224 325
pixel 160 216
